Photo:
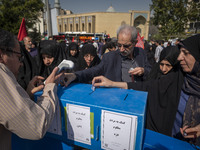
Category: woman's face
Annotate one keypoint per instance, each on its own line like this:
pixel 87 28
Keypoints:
pixel 187 61
pixel 73 52
pixel 88 58
pixel 47 59
pixel 165 66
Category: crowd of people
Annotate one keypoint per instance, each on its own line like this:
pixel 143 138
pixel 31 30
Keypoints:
pixel 170 73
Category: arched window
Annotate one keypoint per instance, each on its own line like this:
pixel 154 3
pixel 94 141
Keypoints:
pixel 71 27
pixel 89 28
pixel 139 23
pixel 140 20
pixel 76 27
pixel 60 28
pixel 83 27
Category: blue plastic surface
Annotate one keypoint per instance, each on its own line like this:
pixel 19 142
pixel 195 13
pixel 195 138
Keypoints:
pixel 157 141
pixel 152 141
pixel 129 102
pixel 112 99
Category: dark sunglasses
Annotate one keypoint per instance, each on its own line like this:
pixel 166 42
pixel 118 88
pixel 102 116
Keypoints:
pixel 124 45
pixel 21 58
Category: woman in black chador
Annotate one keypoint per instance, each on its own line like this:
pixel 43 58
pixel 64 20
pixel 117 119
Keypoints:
pixel 87 58
pixel 73 52
pixel 50 56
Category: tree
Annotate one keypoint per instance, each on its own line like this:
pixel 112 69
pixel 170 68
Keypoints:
pixel 12 12
pixel 193 13
pixel 170 16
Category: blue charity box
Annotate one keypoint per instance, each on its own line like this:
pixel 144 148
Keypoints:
pixel 93 120
pixel 107 118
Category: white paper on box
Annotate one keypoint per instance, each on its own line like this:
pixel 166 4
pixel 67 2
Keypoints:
pixel 118 131
pixel 78 123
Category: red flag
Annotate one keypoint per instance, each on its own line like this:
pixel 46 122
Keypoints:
pixel 22 31
pixel 140 42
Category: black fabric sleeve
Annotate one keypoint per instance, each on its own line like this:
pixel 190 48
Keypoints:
pixel 140 86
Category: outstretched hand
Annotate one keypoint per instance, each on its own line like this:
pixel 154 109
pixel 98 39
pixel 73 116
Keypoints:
pixel 53 77
pixel 101 81
pixel 36 84
pixel 33 85
pixel 193 132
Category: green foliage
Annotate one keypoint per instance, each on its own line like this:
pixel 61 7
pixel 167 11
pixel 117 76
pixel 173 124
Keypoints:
pixel 193 12
pixel 35 35
pixel 12 12
pixel 172 16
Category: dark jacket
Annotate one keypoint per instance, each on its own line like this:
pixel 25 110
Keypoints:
pixel 28 70
pixel 110 66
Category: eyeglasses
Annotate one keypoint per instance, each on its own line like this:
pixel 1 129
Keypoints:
pixel 21 58
pixel 124 45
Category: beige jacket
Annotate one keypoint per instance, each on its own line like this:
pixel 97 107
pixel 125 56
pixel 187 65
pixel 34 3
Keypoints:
pixel 19 114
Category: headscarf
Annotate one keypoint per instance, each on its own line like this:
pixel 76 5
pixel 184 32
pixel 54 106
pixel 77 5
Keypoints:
pixel 87 49
pixel 163 94
pixel 73 46
pixel 192 84
pixel 192 44
pixel 49 47
pixel 170 54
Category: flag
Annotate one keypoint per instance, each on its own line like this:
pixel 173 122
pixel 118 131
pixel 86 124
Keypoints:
pixel 140 42
pixel 22 31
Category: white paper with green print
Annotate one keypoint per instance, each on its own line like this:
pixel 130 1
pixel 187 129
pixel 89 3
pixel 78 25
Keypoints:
pixel 78 123
pixel 118 131
pixel 91 123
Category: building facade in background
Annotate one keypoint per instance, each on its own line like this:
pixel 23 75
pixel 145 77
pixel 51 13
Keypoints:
pixel 59 21
pixel 104 22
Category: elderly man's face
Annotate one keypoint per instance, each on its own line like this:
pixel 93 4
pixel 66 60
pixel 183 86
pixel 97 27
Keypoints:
pixel 28 42
pixel 14 60
pixel 125 45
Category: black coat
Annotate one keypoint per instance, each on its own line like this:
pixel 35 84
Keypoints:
pixel 110 66
pixel 163 93
pixel 28 70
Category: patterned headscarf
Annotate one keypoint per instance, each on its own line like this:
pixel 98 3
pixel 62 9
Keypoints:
pixel 192 85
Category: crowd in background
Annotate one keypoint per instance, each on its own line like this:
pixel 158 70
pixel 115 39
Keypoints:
pixel 168 71
pixel 47 54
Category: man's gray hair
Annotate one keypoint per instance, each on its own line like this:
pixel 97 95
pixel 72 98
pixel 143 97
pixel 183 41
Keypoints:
pixel 128 29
